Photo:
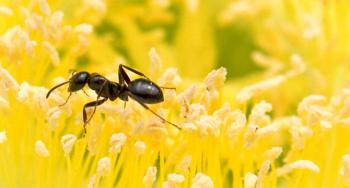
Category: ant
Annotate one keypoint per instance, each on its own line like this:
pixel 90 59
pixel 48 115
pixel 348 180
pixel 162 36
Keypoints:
pixel 142 90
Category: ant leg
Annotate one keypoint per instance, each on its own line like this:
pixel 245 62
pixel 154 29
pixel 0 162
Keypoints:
pixel 90 104
pixel 85 92
pixel 160 117
pixel 123 77
pixel 70 94
pixel 133 70
pixel 174 88
pixel 96 103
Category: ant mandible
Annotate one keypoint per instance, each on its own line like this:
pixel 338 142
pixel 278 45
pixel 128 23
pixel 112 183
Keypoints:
pixel 142 90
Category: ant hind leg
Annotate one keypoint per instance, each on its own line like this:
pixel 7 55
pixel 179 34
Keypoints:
pixel 122 67
pixel 173 88
pixel 153 112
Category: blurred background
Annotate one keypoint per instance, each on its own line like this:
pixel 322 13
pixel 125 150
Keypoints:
pixel 276 51
pixel 254 40
pixel 194 36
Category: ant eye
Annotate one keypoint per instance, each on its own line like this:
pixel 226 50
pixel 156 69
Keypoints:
pixel 80 79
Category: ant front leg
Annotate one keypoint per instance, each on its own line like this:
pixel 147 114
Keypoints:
pixel 95 104
pixel 70 94
pixel 90 104
pixel 85 92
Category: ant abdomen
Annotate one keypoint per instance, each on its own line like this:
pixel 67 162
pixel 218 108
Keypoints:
pixel 146 91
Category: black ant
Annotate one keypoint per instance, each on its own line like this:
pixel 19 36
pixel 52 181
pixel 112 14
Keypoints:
pixel 142 90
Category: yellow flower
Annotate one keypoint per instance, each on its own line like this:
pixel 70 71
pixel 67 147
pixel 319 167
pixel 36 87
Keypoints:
pixel 282 120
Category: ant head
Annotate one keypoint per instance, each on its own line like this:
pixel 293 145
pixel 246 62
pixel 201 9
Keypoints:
pixel 78 81
pixel 96 81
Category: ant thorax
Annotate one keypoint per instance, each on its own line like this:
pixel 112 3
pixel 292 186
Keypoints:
pixel 96 82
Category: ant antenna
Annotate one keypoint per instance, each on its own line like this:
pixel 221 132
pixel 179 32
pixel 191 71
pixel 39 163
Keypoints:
pixel 72 71
pixel 59 85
